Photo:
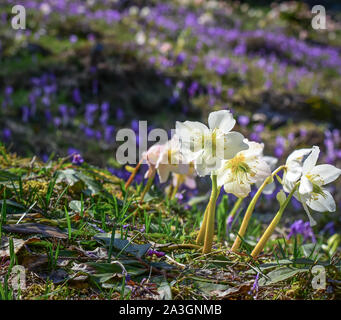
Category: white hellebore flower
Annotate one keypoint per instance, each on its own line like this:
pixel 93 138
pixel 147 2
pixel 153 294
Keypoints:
pixel 246 168
pixel 312 177
pixel 152 156
pixel 311 191
pixel 293 170
pixel 207 147
pixel 171 160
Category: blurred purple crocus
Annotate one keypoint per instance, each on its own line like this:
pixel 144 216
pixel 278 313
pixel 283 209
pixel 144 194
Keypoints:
pixel 7 134
pixel 119 114
pixel 329 228
pixel 76 157
pixel 243 120
pixel 302 228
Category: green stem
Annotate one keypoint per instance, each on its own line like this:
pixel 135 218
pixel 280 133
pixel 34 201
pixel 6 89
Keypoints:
pixel 148 185
pixel 177 186
pixel 250 209
pixel 201 236
pixel 271 228
pixel 211 217
pixel 133 174
pixel 202 231
pixel 235 207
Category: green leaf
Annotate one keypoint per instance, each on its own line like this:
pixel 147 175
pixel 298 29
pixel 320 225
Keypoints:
pixel 195 200
pixel 75 205
pixel 310 250
pixel 281 197
pixel 164 289
pixel 6 176
pixel 69 176
pixel 280 274
pixel 126 246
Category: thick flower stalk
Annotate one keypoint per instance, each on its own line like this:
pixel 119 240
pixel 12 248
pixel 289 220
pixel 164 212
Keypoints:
pixel 304 180
pixel 271 228
pixel 250 209
pixel 209 232
pixel 207 147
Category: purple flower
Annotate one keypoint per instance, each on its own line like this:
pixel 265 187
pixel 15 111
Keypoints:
pixel 77 159
pixel 159 254
pixel 89 132
pixel 25 114
pixel 302 228
pixel 108 132
pixel 255 287
pixel 119 114
pixel 64 112
pixel 179 196
pixel 258 128
pixel 329 228
pixel 180 58
pixel 193 88
pixel 57 121
pixel 90 109
pixel 7 134
pixel 230 92
pixel 229 223
pixel 135 125
pixel 73 38
pixel 8 91
pixel 76 96
pixel 243 120
pixel 255 137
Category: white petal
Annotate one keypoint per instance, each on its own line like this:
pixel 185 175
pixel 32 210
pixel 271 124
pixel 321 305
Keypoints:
pixel 288 185
pixel 306 186
pixel 190 183
pixel 222 120
pixel 303 200
pixel 269 188
pixel 322 203
pixel 204 166
pixel 261 169
pixel 271 161
pixel 293 173
pixel 255 149
pixel 233 143
pixel 163 172
pixel 298 155
pixel 186 127
pixel 326 172
pixel 240 190
pixel 223 175
pixel 311 160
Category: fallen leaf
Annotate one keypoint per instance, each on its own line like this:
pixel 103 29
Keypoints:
pixel 4 247
pixel 235 291
pixel 35 228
